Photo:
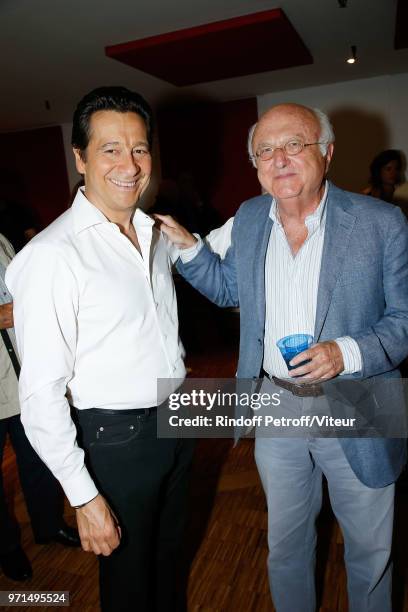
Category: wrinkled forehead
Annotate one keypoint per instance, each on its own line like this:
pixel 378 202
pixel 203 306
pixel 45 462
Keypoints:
pixel 282 123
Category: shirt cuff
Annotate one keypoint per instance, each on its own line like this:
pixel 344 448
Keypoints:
pixel 187 255
pixel 352 358
pixel 80 489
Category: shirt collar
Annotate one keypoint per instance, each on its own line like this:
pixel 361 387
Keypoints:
pixel 313 221
pixel 87 215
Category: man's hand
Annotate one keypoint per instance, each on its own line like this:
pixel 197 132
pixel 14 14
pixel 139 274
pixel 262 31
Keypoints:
pixel 176 233
pixel 6 316
pixel 326 361
pixel 98 527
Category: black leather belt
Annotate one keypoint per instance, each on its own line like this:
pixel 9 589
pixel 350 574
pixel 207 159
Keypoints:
pixel 302 390
pixel 126 411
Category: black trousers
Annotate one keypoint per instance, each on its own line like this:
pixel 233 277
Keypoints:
pixel 42 492
pixel 145 480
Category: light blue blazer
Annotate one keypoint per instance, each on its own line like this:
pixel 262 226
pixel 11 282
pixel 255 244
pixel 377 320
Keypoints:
pixel 363 293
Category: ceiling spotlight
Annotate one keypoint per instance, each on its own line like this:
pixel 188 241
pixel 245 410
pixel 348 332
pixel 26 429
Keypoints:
pixel 342 3
pixel 353 57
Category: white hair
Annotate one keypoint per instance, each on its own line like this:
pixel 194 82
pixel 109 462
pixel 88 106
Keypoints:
pixel 249 144
pixel 326 135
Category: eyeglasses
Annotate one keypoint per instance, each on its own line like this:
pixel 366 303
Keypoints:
pixel 292 147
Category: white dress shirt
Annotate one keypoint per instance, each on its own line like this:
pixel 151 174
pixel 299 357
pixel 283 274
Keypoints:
pixel 291 287
pixel 94 320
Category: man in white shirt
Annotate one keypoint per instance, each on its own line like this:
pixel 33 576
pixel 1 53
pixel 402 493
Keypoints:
pixel 307 257
pixel 96 320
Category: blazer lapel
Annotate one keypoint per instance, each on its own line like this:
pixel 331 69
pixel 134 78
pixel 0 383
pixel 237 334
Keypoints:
pixel 264 224
pixel 339 226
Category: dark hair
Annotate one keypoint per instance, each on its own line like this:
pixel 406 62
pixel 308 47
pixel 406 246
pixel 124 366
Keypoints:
pixel 118 99
pixel 381 160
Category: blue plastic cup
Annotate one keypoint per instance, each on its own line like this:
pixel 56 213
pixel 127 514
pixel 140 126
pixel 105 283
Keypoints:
pixel 290 346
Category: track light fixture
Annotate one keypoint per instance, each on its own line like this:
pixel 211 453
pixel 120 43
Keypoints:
pixel 353 57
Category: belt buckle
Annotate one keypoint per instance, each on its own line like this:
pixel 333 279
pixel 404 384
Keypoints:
pixel 311 390
pixel 303 390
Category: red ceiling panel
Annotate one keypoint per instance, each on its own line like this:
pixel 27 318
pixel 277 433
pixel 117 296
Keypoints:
pixel 250 44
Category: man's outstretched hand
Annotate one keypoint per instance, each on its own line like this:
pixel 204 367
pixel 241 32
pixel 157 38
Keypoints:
pixel 175 232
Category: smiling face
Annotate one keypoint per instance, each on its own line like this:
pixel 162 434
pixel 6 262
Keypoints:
pixel 116 163
pixel 299 178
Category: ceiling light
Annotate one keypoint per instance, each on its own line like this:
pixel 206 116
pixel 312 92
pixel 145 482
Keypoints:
pixel 353 57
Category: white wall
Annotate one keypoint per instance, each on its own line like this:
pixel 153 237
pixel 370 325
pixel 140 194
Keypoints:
pixel 368 115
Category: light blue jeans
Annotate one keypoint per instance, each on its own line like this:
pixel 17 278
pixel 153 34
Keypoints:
pixel 291 472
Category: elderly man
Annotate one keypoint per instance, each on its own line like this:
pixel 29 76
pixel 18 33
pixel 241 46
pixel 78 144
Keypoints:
pixel 308 257
pixel 96 321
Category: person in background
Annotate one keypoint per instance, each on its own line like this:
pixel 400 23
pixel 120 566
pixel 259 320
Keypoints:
pixel 385 175
pixel 400 197
pixel 181 199
pixel 42 493
pixel 17 222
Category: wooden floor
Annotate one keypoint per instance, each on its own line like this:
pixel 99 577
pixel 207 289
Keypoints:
pixel 226 545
